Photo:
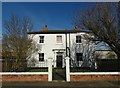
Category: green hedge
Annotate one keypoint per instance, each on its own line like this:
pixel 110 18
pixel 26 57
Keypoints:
pixel 82 69
pixel 36 69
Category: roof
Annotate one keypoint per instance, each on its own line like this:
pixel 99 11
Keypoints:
pixel 56 31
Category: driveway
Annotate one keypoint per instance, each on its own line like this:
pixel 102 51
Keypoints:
pixel 93 84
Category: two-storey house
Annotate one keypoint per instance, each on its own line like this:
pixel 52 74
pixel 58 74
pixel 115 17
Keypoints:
pixel 57 44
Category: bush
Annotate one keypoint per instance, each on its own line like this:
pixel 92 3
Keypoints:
pixel 82 69
pixel 37 69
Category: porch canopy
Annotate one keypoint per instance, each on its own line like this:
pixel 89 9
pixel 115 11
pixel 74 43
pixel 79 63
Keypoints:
pixel 59 50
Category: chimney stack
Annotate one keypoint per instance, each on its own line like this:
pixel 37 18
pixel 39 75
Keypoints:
pixel 75 28
pixel 45 28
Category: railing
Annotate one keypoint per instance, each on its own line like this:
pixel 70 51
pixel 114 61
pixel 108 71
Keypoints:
pixel 103 65
pixel 42 63
pixel 12 65
pixel 49 72
pixel 22 66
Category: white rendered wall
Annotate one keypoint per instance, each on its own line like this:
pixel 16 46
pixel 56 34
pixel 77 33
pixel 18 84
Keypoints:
pixel 50 43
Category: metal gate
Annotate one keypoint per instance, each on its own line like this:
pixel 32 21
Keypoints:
pixel 59 72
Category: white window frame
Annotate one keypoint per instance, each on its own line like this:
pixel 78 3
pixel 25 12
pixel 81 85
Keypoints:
pixel 40 39
pixel 57 39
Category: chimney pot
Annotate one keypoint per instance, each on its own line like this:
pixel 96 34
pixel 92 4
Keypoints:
pixel 75 28
pixel 45 28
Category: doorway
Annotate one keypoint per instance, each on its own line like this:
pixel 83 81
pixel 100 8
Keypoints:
pixel 59 60
pixel 59 71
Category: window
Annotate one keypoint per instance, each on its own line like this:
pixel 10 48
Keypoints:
pixel 41 39
pixel 59 39
pixel 79 56
pixel 41 56
pixel 78 39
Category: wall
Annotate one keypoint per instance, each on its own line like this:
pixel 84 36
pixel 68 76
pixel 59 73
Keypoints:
pixel 114 76
pixel 94 77
pixel 25 77
pixel 50 44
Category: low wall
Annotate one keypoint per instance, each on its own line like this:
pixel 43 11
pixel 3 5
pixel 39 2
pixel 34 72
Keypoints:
pixel 43 76
pixel 25 77
pixel 94 76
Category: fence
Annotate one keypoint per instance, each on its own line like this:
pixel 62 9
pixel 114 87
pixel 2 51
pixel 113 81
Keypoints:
pixel 29 76
pixel 13 65
pixel 21 66
pixel 103 65
pixel 89 74
pixel 41 64
pixel 0 65
pixel 108 65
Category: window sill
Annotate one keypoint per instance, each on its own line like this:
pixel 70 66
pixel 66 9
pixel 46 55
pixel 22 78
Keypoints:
pixel 41 43
pixel 59 43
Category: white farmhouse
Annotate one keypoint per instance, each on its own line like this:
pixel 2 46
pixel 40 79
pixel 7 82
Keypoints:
pixel 57 44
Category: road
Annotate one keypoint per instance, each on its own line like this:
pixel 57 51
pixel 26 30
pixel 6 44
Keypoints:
pixel 94 84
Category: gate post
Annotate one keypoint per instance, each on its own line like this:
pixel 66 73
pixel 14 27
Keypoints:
pixel 49 69
pixel 67 69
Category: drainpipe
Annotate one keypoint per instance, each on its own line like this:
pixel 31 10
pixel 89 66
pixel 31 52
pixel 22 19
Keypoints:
pixel 69 50
pixel 66 42
pixel 69 46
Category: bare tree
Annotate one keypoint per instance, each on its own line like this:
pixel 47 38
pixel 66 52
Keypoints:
pixel 87 48
pixel 102 21
pixel 16 44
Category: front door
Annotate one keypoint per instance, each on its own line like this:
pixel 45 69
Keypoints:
pixel 59 59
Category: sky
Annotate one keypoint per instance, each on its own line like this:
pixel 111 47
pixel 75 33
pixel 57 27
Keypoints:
pixel 56 15
pixel 60 0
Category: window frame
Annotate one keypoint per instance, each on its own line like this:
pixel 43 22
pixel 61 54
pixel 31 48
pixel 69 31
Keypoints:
pixel 78 39
pixel 41 39
pixel 79 57
pixel 41 56
pixel 59 42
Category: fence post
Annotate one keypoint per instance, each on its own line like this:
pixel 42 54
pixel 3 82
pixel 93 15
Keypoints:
pixel 67 69
pixel 49 69
pixel 95 65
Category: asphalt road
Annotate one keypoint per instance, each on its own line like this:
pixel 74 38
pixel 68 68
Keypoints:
pixel 94 84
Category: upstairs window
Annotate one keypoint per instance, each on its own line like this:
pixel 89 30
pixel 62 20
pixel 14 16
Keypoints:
pixel 41 56
pixel 59 39
pixel 78 39
pixel 79 56
pixel 41 39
